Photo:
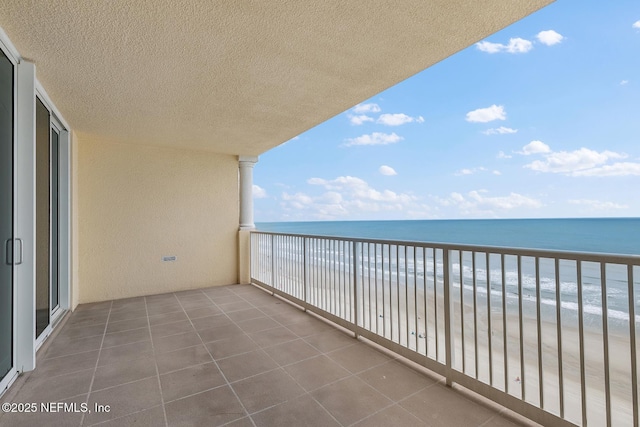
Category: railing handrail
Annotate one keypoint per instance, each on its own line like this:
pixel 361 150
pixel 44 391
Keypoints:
pixel 500 250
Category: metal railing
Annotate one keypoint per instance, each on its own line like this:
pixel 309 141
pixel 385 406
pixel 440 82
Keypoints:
pixel 548 334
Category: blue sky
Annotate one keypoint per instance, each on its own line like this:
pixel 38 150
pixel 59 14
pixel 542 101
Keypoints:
pixel 540 120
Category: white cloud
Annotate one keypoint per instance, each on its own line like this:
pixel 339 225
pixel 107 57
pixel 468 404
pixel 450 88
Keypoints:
pixel 470 171
pixel 387 170
pixel 496 172
pixel 501 130
pixel 624 82
pixel 259 192
pixel 615 169
pixel 397 119
pixel 535 147
pixel 597 205
pixel 582 162
pixel 516 45
pixel 475 203
pixel 360 119
pixel 376 138
pixel 502 155
pixel 636 25
pixel 348 196
pixel 489 114
pixel 366 108
pixel 549 37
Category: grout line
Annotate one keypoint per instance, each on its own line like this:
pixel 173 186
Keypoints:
pixel 95 369
pixel 153 349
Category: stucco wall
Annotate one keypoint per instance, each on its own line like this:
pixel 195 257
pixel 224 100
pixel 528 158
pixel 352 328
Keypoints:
pixel 136 204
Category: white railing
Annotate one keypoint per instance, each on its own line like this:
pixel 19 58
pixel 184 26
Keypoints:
pixel 548 334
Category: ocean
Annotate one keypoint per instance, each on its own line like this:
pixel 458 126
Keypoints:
pixel 604 235
pixel 599 235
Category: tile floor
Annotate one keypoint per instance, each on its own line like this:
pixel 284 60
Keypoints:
pixel 234 356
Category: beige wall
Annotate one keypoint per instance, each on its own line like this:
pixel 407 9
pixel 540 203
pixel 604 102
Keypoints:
pixel 136 204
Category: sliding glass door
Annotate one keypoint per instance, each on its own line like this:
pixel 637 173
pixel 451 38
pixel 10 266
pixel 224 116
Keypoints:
pixel 6 216
pixel 47 216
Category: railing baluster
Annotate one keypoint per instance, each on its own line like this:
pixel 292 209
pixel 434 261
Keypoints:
pixel 559 337
pixel 406 294
pixel 354 245
pixel 505 358
pixel 475 311
pixel 398 292
pixel 539 330
pixel 375 256
pixel 461 269
pixel 632 343
pixel 390 295
pixel 415 296
pixel 304 270
pixel 424 290
pixel 273 262
pixel 435 304
pixel 448 316
pixel 583 381
pixel 521 330
pixel 605 341
pixel 489 328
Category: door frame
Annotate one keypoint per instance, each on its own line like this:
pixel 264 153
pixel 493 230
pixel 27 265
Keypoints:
pixel 9 378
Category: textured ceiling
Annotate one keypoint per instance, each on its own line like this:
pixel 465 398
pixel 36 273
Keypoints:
pixel 237 76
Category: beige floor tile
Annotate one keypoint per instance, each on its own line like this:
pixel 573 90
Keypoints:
pixel 125 353
pixel 395 380
pixel 316 372
pixel 126 337
pixel 182 358
pixel 439 406
pixel 273 336
pixel 192 380
pixel 176 342
pixel 291 352
pixel 124 399
pixel 359 357
pixel 303 411
pixel 238 344
pixel 350 400
pixel 267 389
pixel 245 365
pixel 392 416
pixel 211 408
pixel 124 372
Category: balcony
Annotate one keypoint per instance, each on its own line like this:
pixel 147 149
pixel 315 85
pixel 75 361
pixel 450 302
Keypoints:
pixel 231 355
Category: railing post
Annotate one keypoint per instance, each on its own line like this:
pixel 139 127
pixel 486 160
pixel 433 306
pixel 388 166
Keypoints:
pixel 355 287
pixel 273 262
pixel 304 271
pixel 448 316
pixel 251 257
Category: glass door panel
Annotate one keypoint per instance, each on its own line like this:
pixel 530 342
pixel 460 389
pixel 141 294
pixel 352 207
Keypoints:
pixel 55 207
pixel 6 215
pixel 43 159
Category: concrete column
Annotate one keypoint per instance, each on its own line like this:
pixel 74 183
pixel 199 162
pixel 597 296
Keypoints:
pixel 246 164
